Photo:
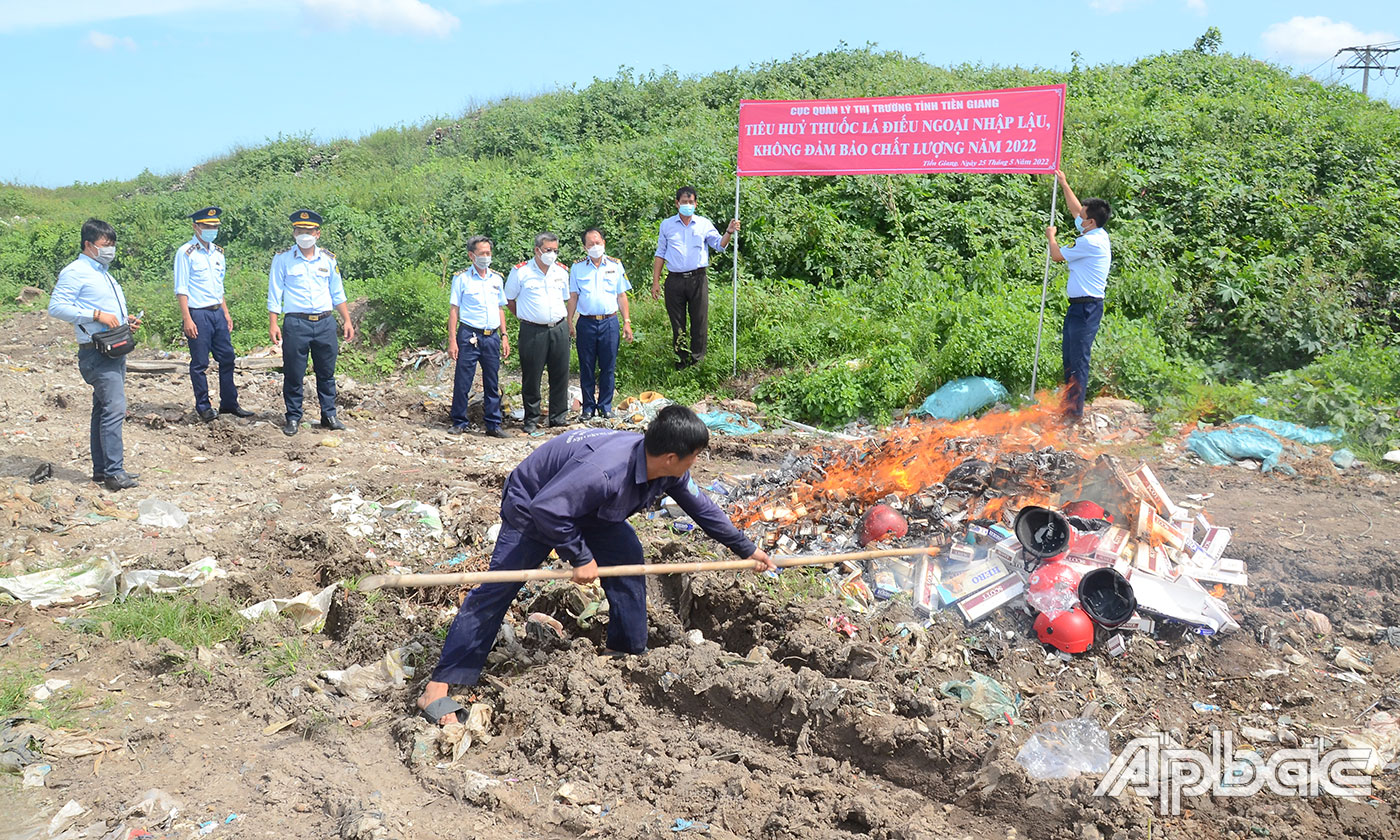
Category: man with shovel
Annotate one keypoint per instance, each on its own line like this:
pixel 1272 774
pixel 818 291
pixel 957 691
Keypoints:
pixel 573 495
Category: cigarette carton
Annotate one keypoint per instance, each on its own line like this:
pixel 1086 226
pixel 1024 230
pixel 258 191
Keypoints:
pixel 981 603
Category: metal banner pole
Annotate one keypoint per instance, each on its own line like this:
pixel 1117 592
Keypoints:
pixel 1044 286
pixel 735 307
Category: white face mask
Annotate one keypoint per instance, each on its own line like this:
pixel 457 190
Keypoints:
pixel 595 252
pixel 547 258
pixel 105 254
pixel 305 241
pixel 482 261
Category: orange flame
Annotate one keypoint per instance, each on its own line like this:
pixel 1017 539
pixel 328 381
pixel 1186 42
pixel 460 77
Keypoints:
pixel 910 459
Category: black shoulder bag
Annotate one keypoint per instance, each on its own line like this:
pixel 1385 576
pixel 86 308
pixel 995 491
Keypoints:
pixel 117 341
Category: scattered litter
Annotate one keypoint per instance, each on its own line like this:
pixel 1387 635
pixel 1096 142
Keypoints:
pixel 365 682
pixel 330 441
pixel 157 513
pixel 1204 708
pixel 65 817
pixel 1344 459
pixel 983 696
pixel 156 581
pixel 643 408
pixel 36 775
pixel 102 579
pixel 405 526
pixel 1381 738
pixel 308 610
pixel 41 473
pixel 47 689
pixel 686 825
pixel 455 738
pixel 1351 660
pixel 842 624
pixel 1064 749
pixel 544 627
pixel 1318 622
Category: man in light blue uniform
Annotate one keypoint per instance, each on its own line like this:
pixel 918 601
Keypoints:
pixel 683 246
pixel 476 332
pixel 1089 259
pixel 303 286
pixel 199 292
pixel 88 297
pixel 537 292
pixel 598 289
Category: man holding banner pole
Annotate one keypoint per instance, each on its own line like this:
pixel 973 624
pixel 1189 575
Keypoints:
pixel 683 247
pixel 1088 260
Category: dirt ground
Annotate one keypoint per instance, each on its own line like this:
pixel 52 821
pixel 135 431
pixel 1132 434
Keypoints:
pixel 766 725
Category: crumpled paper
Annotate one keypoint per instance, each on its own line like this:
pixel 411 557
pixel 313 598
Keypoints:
pixel 365 682
pixel 308 610
pixel 455 738
pixel 1381 738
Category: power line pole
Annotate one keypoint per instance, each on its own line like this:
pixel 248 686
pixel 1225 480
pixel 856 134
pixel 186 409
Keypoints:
pixel 1366 59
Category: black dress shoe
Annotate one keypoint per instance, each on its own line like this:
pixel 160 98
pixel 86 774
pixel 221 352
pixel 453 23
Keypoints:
pixel 499 433
pixel 586 415
pixel 529 428
pixel 99 479
pixel 208 415
pixel 330 421
pixel 460 430
pixel 606 415
pixel 119 481
pixel 236 411
pixel 290 427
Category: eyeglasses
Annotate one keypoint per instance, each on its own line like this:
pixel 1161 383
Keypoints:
pixel 549 250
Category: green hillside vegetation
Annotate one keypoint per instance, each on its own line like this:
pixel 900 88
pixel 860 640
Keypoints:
pixel 1256 235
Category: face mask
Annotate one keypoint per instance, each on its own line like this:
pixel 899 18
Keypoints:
pixel 305 241
pixel 687 209
pixel 1078 224
pixel 482 261
pixel 105 254
pixel 208 234
pixel 547 258
pixel 595 252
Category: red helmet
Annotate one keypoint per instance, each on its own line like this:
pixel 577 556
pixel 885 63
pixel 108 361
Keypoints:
pixel 1053 588
pixel 881 522
pixel 1072 631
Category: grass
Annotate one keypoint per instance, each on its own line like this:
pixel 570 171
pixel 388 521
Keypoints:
pixel 792 585
pixel 283 660
pixel 62 709
pixel 14 690
pixel 150 618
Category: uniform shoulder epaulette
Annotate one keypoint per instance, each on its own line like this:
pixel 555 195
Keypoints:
pixel 219 249
pixel 612 259
pixel 521 264
pixel 329 251
pixel 584 260
pixel 190 250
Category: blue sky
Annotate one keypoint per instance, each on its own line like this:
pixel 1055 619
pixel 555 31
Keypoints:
pixel 102 89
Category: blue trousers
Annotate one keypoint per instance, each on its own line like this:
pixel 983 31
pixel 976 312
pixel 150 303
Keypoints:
pixel 108 380
pixel 1081 325
pixel 213 337
pixel 479 619
pixel 487 351
pixel 597 361
pixel 317 338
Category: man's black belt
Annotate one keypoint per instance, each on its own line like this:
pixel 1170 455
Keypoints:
pixel 691 273
pixel 308 316
pixel 86 346
pixel 1086 300
pixel 214 308
pixel 545 326
pixel 602 317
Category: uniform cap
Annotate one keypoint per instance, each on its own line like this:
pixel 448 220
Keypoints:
pixel 207 216
pixel 306 219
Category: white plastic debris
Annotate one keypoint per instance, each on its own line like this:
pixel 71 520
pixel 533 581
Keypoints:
pixel 192 576
pixel 65 817
pixel 47 689
pixel 456 738
pixel 158 513
pixel 95 579
pixel 1063 749
pixel 308 610
pixel 364 682
pixel 36 775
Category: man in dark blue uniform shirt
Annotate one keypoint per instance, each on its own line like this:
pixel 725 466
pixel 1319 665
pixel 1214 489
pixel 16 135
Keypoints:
pixel 573 495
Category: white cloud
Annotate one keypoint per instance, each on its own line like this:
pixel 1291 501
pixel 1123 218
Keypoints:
pixel 1197 6
pixel 1312 39
pixel 106 43
pixel 412 17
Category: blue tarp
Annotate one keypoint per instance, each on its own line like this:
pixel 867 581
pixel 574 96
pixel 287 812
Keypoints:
pixel 961 397
pixel 1247 438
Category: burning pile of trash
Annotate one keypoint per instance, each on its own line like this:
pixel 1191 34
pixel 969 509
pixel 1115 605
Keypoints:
pixel 1000 511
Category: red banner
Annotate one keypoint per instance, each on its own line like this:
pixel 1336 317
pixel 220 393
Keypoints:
pixel 1015 130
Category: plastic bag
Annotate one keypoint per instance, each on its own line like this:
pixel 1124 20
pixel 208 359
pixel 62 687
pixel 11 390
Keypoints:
pixel 1063 749
pixel 729 423
pixel 1223 447
pixel 1292 431
pixel 158 513
pixel 961 397
pixel 981 695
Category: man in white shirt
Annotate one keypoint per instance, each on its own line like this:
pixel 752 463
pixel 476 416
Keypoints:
pixel 1089 259
pixel 683 246
pixel 537 293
